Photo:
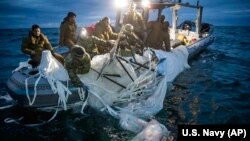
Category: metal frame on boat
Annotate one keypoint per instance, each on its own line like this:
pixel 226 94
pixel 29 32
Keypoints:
pixel 202 37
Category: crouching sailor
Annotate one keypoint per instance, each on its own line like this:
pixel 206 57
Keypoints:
pixel 35 44
pixel 77 62
pixel 129 43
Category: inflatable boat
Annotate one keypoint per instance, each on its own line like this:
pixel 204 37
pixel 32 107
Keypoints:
pixel 131 89
pixel 30 89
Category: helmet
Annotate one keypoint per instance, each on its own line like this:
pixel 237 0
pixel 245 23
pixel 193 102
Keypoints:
pixel 128 28
pixel 78 51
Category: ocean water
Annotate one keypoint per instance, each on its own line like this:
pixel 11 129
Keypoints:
pixel 215 90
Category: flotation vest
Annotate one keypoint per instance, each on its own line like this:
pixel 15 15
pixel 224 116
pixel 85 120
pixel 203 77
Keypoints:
pixel 183 39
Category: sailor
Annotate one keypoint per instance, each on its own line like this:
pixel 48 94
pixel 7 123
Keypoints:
pixel 104 31
pixel 77 62
pixel 92 44
pixel 35 43
pixel 165 37
pixel 158 34
pixel 187 26
pixel 68 31
pixel 129 43
pixel 135 19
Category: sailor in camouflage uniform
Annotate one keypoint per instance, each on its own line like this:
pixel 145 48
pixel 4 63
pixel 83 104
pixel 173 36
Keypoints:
pixel 35 44
pixel 77 62
pixel 129 43
pixel 92 44
pixel 136 20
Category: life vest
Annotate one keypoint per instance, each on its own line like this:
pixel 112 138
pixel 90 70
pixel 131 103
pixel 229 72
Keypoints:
pixel 183 39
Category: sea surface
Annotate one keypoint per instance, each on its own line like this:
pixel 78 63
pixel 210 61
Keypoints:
pixel 215 90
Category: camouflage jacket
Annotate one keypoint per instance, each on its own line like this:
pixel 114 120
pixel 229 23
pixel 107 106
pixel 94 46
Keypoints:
pixel 75 67
pixel 34 46
pixel 134 44
pixel 93 45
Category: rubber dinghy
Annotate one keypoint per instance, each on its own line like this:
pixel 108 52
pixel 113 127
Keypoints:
pixel 46 86
pixel 131 89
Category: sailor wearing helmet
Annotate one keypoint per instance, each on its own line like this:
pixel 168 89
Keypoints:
pixel 129 43
pixel 77 62
pixel 135 19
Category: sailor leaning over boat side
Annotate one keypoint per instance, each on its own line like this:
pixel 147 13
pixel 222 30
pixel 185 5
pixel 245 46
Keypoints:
pixel 35 44
pixel 129 43
pixel 77 62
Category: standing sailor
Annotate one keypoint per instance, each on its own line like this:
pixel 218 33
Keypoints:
pixel 135 19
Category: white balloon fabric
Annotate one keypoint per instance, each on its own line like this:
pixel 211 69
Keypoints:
pixel 55 73
pixel 52 67
pixel 139 91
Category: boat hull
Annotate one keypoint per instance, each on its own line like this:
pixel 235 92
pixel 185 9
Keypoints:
pixel 45 97
pixel 199 46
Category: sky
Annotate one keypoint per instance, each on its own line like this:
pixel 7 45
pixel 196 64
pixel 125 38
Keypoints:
pixel 50 13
